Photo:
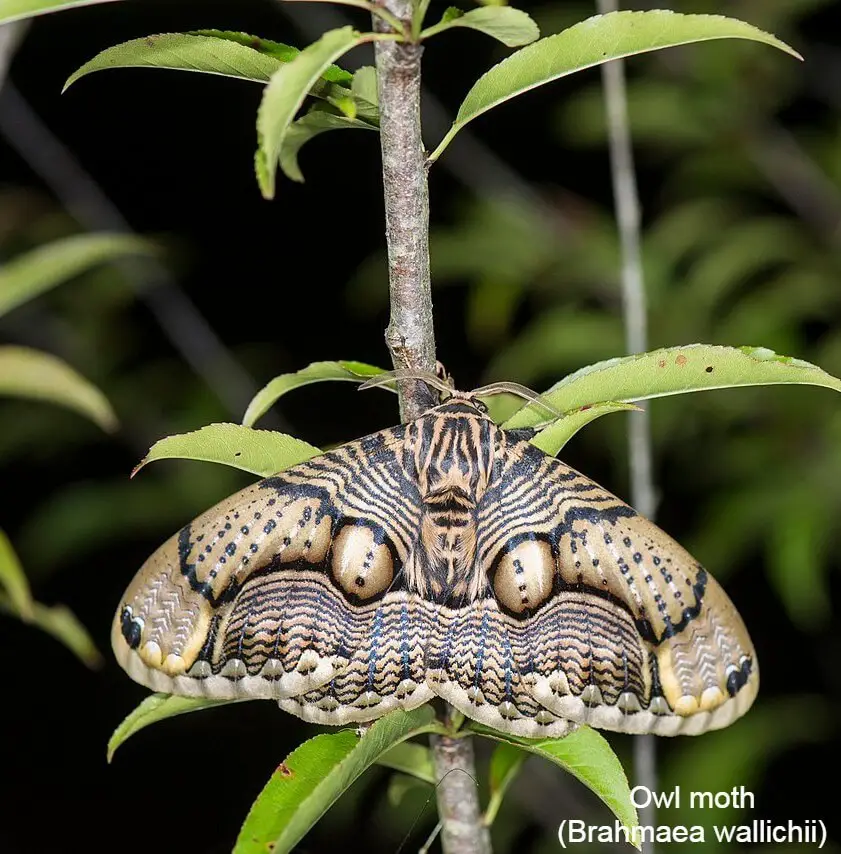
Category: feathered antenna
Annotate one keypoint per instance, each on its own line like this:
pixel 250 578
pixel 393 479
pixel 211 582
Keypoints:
pixel 520 391
pixel 443 383
pixel 427 377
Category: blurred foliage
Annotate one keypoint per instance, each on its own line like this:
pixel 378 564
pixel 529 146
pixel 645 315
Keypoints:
pixel 37 375
pixel 95 326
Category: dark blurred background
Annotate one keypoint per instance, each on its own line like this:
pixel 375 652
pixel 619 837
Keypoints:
pixel 739 158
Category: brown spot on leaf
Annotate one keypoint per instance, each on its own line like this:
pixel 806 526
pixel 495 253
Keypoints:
pixel 681 360
pixel 285 770
pixel 661 363
pixel 709 369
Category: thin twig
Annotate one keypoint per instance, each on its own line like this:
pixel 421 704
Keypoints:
pixel 424 849
pixel 626 201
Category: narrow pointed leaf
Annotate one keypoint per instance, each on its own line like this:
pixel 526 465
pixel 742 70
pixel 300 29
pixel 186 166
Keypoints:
pixel 674 370
pixel 28 275
pixel 285 93
pixel 314 775
pixel 308 127
pixel 554 436
pixel 221 52
pixel 158 707
pixel 593 42
pixel 512 27
pixel 40 376
pixel 317 372
pixel 13 580
pixel 62 624
pixel 586 755
pixel 261 452
pixel 16 10
pixel 185 52
pixel 412 759
pixel 506 763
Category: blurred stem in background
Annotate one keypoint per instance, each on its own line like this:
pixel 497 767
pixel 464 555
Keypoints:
pixel 627 208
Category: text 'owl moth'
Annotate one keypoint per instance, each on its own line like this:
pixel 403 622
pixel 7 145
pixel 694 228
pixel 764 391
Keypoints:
pixel 444 557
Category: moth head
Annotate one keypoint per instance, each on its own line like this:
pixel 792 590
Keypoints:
pixel 442 382
pixel 439 382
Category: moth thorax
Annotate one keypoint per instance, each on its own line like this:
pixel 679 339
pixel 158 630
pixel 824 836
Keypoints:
pixel 454 452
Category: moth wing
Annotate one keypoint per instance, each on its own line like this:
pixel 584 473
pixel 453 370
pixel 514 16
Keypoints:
pixel 292 588
pixel 608 621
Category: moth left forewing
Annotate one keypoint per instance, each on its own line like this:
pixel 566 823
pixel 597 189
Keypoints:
pixel 629 631
pixel 284 588
pixel 202 615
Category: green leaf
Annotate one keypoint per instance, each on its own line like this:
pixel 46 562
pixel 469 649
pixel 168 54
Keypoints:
pixel 401 785
pixel 674 370
pixel 554 436
pixel 586 755
pixel 35 272
pixel 314 775
pixel 221 52
pixel 61 623
pixel 512 27
pixel 261 452
pixel 280 51
pixel 308 127
pixel 365 84
pixel 285 93
pixel 506 762
pixel 412 759
pixel 187 52
pixel 156 708
pixel 502 406
pixel 13 580
pixel 451 13
pixel 15 10
pixel 593 42
pixel 317 372
pixel 40 376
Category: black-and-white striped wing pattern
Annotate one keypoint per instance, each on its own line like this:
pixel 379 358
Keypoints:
pixel 446 557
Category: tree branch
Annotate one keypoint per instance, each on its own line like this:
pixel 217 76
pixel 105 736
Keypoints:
pixel 411 339
pixel 410 335
pixel 463 830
